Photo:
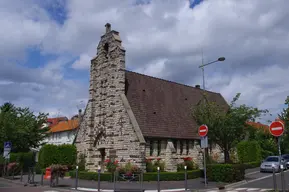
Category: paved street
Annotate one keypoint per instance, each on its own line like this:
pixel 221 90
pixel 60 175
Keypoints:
pixel 6 186
pixel 268 182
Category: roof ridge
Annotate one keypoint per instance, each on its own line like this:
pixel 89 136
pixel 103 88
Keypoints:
pixel 174 82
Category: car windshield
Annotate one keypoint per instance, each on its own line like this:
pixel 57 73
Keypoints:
pixel 272 159
pixel 285 157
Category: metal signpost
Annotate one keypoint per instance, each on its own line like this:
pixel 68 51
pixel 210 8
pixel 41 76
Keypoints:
pixel 277 129
pixel 7 149
pixel 203 131
pixel 6 154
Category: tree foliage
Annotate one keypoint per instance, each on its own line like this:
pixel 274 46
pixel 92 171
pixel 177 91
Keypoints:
pixel 226 125
pixel 284 117
pixel 21 127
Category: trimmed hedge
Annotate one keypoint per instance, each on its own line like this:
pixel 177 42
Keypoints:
pixel 152 176
pixel 57 154
pixel 25 160
pixel 249 151
pixel 253 164
pixel 226 172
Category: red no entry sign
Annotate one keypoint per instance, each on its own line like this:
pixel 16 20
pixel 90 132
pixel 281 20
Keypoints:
pixel 276 128
pixel 203 130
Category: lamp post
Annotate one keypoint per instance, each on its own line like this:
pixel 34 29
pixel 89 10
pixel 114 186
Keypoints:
pixel 203 71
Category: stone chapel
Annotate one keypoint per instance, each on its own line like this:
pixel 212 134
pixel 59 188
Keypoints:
pixel 131 116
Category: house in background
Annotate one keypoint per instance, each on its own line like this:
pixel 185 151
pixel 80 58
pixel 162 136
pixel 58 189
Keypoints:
pixel 259 126
pixel 63 132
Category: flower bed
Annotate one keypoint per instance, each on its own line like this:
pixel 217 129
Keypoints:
pixel 188 161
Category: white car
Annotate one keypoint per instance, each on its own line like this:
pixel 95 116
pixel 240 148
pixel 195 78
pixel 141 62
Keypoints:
pixel 271 162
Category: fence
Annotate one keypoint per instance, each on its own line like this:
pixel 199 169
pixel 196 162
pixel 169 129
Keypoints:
pixel 116 181
pixel 128 182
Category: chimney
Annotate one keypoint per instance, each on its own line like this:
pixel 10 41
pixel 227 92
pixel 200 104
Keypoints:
pixel 198 86
pixel 107 28
pixel 79 115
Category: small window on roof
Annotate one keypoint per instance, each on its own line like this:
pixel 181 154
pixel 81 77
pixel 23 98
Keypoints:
pixel 106 47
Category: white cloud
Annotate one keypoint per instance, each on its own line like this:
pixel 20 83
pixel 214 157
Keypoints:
pixel 164 39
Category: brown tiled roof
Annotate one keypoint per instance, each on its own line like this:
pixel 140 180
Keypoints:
pixel 259 126
pixel 64 126
pixel 55 121
pixel 163 108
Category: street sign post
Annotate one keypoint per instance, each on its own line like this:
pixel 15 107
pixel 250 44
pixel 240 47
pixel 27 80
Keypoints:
pixel 203 131
pixel 7 149
pixel 276 129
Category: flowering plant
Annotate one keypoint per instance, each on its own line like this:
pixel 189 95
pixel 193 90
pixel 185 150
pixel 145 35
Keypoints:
pixel 111 165
pixel 12 166
pixel 187 159
pixel 58 170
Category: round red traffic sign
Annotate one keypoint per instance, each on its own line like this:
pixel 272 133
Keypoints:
pixel 276 128
pixel 203 130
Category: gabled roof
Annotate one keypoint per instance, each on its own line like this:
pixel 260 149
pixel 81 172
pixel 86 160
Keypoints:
pixel 55 121
pixel 65 126
pixel 163 108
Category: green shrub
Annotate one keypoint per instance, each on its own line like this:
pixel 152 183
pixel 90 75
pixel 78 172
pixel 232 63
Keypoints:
pixel 92 175
pixel 253 164
pixel 159 163
pixel 226 172
pixel 67 155
pixel 62 154
pixel 48 155
pixel 25 160
pixel 248 151
pixel 164 176
pixel 152 166
pixel 188 161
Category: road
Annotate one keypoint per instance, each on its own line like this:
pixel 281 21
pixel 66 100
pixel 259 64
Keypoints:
pixel 264 181
pixel 6 186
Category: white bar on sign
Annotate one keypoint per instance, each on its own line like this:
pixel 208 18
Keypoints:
pixel 203 130
pixel 277 128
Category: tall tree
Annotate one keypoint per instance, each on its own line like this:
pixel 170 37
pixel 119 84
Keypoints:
pixel 21 127
pixel 227 125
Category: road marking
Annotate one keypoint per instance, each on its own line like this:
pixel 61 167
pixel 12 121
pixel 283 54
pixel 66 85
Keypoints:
pixel 252 173
pixel 240 189
pixel 276 128
pixel 50 191
pixel 168 190
pixel 90 189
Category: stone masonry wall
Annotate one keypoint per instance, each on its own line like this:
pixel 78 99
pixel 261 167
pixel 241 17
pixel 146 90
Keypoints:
pixel 173 156
pixel 107 130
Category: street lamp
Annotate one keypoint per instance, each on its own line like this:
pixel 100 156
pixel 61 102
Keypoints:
pixel 203 65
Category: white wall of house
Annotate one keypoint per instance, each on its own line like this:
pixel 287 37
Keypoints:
pixel 63 137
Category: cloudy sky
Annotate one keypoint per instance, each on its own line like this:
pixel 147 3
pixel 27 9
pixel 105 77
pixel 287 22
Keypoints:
pixel 46 47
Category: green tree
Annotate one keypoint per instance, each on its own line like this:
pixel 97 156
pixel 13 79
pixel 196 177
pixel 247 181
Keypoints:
pixel 21 127
pixel 227 124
